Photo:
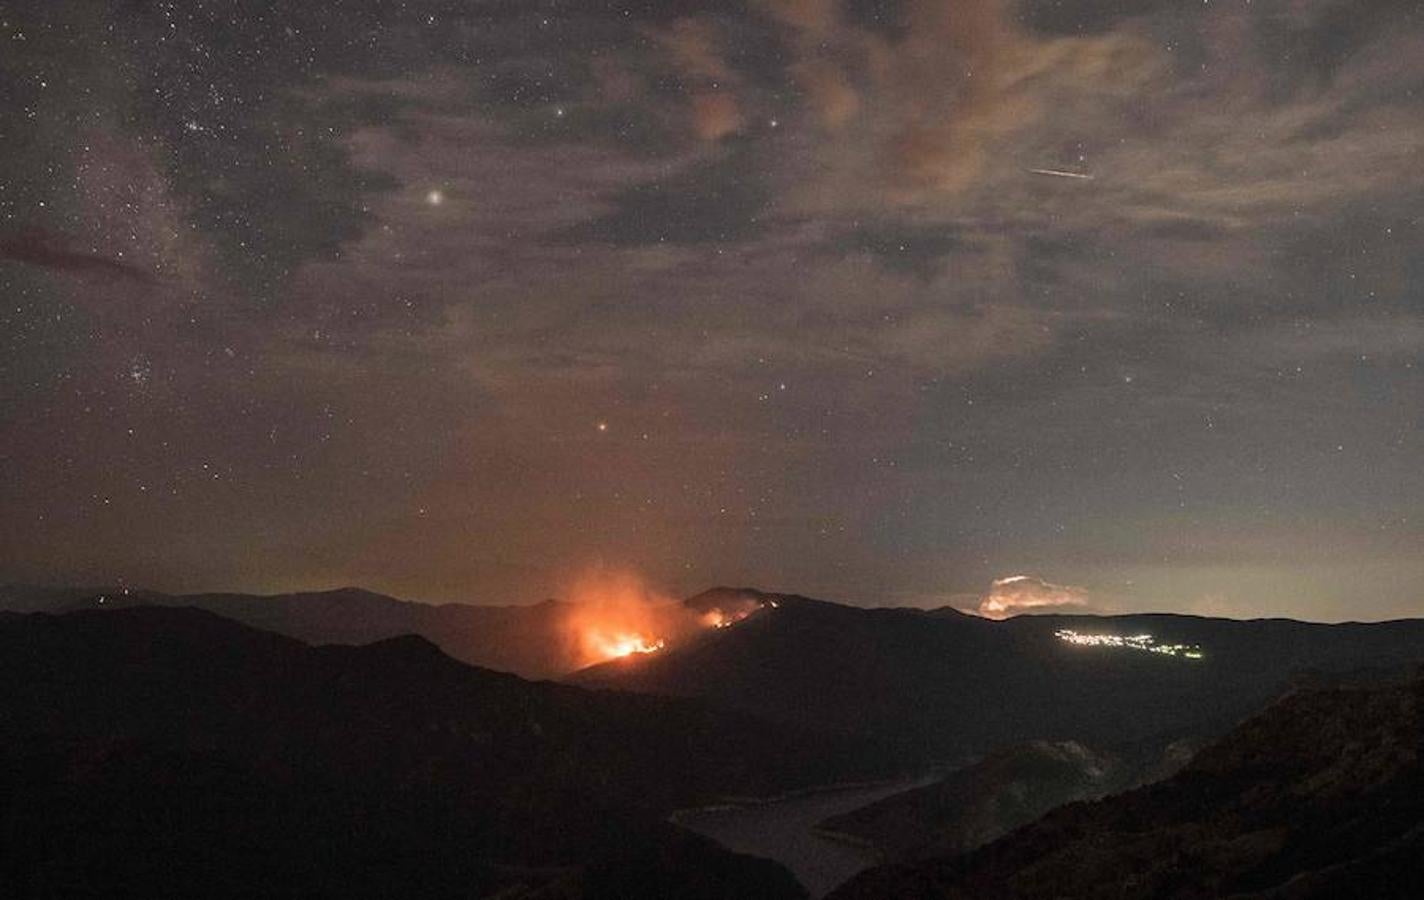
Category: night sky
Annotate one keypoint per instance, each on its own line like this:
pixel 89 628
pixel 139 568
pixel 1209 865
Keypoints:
pixel 870 300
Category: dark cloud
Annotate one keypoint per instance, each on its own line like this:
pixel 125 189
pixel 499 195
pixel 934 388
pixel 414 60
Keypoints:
pixel 722 199
pixel 917 251
pixel 1076 17
pixel 56 252
pixel 1309 43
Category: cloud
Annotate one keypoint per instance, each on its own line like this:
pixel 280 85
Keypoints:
pixel 715 115
pixel 815 18
pixel 920 111
pixel 624 235
pixel 57 253
pixel 1018 594
pixel 694 48
pixel 821 41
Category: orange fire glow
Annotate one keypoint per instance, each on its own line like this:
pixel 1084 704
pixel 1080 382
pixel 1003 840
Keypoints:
pixel 620 645
pixel 719 618
pixel 616 615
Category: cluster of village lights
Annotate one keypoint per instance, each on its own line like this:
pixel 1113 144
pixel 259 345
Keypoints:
pixel 1143 642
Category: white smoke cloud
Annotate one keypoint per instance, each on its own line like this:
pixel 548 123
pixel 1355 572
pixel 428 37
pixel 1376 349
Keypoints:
pixel 1016 594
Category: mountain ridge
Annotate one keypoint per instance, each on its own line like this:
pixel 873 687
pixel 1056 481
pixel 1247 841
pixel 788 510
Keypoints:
pixel 191 754
pixel 949 688
pixel 1320 795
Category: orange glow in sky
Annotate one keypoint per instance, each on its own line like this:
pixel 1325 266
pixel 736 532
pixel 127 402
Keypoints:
pixel 617 615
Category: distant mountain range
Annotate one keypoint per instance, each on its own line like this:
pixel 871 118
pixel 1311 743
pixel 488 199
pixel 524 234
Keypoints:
pixel 1320 796
pixel 533 641
pixel 140 720
pixel 945 687
pixel 940 686
pixel 171 752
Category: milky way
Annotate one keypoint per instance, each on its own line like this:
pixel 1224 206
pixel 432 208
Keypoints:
pixel 454 299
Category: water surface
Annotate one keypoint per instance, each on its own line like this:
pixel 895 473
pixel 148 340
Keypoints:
pixel 781 830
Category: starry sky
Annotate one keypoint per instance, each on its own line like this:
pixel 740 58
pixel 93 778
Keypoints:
pixel 873 300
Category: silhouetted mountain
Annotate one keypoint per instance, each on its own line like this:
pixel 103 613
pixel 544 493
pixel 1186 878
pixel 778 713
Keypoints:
pixel 978 803
pixel 949 687
pixel 167 752
pixel 1321 796
pixel 533 641
pixel 1006 789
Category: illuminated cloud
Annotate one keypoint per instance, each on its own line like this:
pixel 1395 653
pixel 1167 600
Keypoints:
pixel 715 115
pixel 923 112
pixel 694 49
pixel 625 233
pixel 828 91
pixel 1016 594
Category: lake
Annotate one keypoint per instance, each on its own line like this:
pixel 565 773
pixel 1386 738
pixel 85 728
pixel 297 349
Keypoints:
pixel 781 830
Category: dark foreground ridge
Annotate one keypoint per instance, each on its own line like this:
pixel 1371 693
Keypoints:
pixel 1320 796
pixel 1006 789
pixel 170 752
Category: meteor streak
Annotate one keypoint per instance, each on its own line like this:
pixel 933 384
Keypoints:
pixel 1060 173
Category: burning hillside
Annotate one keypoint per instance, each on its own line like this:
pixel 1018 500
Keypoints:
pixel 623 644
pixel 616 615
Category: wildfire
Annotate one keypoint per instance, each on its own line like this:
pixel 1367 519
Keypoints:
pixel 717 618
pixel 620 645
pixel 615 615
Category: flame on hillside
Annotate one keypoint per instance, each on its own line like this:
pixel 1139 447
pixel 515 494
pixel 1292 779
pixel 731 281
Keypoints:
pixel 616 615
pixel 624 644
pixel 718 618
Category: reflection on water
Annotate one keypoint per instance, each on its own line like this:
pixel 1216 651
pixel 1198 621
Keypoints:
pixel 781 830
